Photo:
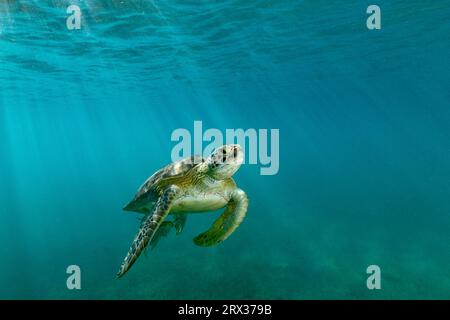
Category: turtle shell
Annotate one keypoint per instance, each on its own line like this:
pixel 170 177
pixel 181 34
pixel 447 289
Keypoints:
pixel 174 170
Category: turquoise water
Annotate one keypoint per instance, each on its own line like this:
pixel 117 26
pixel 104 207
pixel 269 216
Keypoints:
pixel 87 115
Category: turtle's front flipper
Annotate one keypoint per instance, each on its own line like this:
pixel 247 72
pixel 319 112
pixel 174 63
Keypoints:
pixel 149 226
pixel 224 226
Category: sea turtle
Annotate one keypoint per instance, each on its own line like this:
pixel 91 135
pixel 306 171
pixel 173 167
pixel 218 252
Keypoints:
pixel 194 184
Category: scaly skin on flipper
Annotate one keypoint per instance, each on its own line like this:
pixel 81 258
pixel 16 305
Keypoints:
pixel 162 232
pixel 225 225
pixel 148 228
pixel 179 222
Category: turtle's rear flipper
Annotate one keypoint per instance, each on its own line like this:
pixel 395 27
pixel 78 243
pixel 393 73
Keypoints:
pixel 163 231
pixel 149 227
pixel 179 222
pixel 224 226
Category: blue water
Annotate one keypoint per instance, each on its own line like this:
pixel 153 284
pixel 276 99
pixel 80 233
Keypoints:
pixel 87 115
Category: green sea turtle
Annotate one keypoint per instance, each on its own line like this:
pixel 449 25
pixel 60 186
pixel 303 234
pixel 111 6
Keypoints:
pixel 194 184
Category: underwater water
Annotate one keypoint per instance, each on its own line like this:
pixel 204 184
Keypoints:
pixel 364 178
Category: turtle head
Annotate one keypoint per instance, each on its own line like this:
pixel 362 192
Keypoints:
pixel 225 161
